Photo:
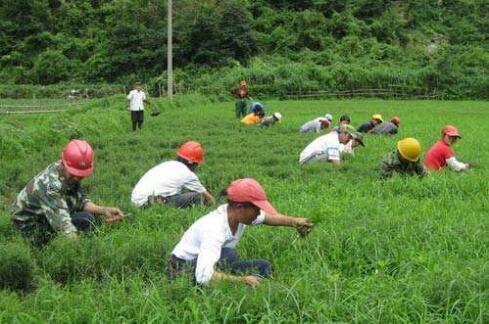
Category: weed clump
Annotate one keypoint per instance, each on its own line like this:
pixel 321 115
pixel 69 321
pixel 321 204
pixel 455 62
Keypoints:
pixel 17 268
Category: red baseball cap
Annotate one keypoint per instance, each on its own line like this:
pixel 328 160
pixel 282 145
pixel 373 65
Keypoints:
pixel 249 190
pixel 450 131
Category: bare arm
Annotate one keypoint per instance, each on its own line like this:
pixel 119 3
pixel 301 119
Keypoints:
pixel 111 214
pixel 208 198
pixel 335 162
pixel 249 280
pixel 302 225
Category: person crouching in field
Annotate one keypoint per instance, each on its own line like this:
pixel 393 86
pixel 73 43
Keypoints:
pixel 54 202
pixel 137 98
pixel 241 94
pixel 387 128
pixel 328 147
pixel 164 183
pixel 269 121
pixel 207 249
pixel 344 120
pixel 257 108
pixel 253 118
pixel 441 154
pixel 317 124
pixel 367 126
pixel 404 160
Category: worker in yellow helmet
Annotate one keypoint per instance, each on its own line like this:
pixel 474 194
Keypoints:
pixel 404 160
pixel 375 120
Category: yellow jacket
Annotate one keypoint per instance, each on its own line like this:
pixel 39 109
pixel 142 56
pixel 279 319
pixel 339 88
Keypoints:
pixel 250 119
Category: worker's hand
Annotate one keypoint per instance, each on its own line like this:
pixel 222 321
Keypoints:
pixel 470 165
pixel 303 226
pixel 252 280
pixel 113 214
pixel 72 235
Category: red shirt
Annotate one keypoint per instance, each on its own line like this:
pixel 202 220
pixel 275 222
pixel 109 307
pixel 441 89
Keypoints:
pixel 437 155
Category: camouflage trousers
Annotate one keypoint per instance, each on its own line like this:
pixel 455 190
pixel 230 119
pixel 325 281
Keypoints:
pixel 40 233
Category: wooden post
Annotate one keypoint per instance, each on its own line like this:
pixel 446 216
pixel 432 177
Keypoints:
pixel 170 50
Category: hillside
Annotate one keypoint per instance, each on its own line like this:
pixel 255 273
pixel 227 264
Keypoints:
pixel 280 46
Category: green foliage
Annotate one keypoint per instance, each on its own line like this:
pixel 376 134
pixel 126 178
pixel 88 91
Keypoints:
pixel 51 67
pixel 17 267
pixel 401 250
pixel 120 41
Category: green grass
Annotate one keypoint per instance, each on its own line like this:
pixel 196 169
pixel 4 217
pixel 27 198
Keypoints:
pixel 402 250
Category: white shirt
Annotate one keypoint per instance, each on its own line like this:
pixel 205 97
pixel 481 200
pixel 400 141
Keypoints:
pixel 328 144
pixel 347 148
pixel 205 239
pixel 312 125
pixel 166 179
pixel 456 165
pixel 136 99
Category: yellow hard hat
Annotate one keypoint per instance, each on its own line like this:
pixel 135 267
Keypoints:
pixel 378 117
pixel 409 148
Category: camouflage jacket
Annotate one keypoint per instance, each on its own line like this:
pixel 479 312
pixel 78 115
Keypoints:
pixel 391 163
pixel 49 194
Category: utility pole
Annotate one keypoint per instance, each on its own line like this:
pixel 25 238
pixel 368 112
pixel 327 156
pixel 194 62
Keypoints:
pixel 169 64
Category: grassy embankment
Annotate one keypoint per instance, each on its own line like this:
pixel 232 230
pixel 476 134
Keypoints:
pixel 388 251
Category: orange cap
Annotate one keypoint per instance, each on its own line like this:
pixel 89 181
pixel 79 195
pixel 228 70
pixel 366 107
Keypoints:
pixel 450 131
pixel 396 120
pixel 249 190
pixel 191 151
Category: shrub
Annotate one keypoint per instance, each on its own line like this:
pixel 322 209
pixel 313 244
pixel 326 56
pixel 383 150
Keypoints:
pixel 17 268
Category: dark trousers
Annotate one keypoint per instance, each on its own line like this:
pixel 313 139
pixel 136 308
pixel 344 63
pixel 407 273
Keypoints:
pixel 183 200
pixel 229 262
pixel 40 233
pixel 240 108
pixel 137 118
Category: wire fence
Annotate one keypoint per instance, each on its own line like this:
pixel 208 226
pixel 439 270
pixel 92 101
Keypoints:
pixel 31 106
pixel 36 106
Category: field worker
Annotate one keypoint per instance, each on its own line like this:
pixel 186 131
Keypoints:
pixel 367 126
pixel 404 160
pixel 441 153
pixel 241 94
pixel 269 121
pixel 328 147
pixel 349 148
pixel 166 182
pixel 253 118
pixel 344 120
pixel 257 107
pixel 316 125
pixel 54 202
pixel 208 248
pixel 137 98
pixel 388 128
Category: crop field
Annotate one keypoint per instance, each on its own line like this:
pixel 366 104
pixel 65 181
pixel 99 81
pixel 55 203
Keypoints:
pixel 389 251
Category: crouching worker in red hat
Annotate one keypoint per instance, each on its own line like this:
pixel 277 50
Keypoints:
pixel 441 154
pixel 174 182
pixel 54 202
pixel 208 248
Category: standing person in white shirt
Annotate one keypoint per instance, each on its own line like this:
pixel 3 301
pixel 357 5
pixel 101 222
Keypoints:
pixel 166 182
pixel 328 147
pixel 137 98
pixel 208 247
